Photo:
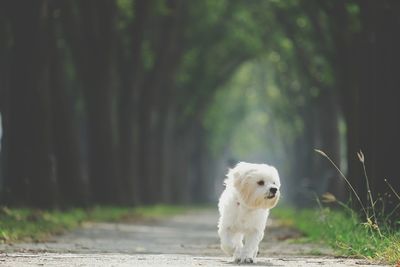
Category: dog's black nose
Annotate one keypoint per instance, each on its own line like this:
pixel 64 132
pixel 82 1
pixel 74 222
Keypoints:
pixel 273 190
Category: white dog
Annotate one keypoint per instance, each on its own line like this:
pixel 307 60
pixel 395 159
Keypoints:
pixel 251 191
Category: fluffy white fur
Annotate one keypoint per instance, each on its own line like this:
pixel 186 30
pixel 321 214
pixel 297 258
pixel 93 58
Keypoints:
pixel 251 191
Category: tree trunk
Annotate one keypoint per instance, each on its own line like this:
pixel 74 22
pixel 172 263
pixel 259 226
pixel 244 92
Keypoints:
pixel 154 100
pixel 131 73
pixel 327 139
pixel 31 170
pixel 91 33
pixel 379 131
pixel 73 186
pixel 365 66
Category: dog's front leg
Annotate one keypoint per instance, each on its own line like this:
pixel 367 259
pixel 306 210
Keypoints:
pixel 250 248
pixel 231 242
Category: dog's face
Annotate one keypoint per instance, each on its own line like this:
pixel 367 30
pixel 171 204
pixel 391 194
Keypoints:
pixel 257 184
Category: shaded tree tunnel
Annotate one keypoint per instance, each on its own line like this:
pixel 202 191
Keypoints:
pixel 135 102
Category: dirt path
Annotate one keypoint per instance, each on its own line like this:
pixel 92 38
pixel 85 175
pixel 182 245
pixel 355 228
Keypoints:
pixel 185 240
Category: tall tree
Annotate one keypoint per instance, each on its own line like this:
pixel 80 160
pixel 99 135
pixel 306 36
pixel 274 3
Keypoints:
pixel 131 70
pixel 72 183
pixel 31 170
pixel 90 28
pixel 365 43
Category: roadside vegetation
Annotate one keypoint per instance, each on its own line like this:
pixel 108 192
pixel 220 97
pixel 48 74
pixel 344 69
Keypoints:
pixel 365 232
pixel 345 232
pixel 38 225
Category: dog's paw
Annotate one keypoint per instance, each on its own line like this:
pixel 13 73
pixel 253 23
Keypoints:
pixel 247 260
pixel 244 260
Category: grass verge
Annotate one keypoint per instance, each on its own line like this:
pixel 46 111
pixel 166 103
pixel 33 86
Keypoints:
pixel 38 225
pixel 343 231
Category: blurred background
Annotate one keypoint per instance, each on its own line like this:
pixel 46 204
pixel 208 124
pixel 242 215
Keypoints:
pixel 133 102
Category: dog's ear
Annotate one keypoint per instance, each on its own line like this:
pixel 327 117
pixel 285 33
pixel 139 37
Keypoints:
pixel 237 177
pixel 239 173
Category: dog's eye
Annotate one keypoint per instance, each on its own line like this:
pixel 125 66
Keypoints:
pixel 261 182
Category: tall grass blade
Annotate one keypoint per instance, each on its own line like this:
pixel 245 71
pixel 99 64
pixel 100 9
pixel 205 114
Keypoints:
pixel 345 178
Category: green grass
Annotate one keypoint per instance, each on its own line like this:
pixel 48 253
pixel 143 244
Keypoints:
pixel 344 232
pixel 38 225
